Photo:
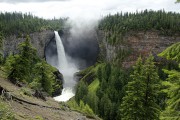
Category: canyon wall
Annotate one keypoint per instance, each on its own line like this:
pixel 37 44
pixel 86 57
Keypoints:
pixel 38 40
pixel 138 43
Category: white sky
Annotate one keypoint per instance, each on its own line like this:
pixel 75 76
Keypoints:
pixel 89 9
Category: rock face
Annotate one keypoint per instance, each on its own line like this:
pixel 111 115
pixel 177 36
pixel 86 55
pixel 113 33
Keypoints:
pixel 38 40
pixel 82 48
pixel 139 43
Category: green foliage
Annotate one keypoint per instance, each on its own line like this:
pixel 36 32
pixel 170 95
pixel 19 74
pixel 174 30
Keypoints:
pixel 140 100
pixel 5 112
pixel 122 55
pixel 132 106
pixel 152 110
pixel 20 66
pixel 81 107
pixel 93 86
pixel 26 91
pixel 19 24
pixel 105 92
pixel 1 59
pixel 1 40
pixel 10 64
pixel 27 67
pixel 172 52
pixel 99 73
pixel 44 76
pixel 173 104
pixel 172 111
pixel 105 107
pixel 116 26
pixel 92 100
pixel 81 91
pixel 39 118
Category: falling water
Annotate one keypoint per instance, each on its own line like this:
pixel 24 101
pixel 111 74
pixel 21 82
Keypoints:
pixel 67 70
pixel 62 61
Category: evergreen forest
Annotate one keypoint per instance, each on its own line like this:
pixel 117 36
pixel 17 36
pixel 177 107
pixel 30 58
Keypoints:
pixel 148 90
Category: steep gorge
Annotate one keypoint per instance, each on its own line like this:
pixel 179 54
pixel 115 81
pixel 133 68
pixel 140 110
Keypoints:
pixel 136 43
pixel 86 50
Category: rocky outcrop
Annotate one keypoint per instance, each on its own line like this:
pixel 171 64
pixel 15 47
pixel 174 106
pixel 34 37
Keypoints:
pixel 38 40
pixel 58 84
pixel 138 43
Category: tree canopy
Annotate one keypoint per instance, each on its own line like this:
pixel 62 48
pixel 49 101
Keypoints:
pixel 139 103
pixel 17 23
pixel 172 111
pixel 28 68
pixel 116 26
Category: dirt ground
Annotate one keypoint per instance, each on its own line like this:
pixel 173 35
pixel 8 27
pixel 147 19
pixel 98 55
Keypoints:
pixel 30 108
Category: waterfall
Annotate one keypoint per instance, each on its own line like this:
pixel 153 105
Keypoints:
pixel 62 61
pixel 67 70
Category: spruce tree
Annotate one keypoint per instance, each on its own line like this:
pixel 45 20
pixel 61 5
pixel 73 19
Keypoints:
pixel 43 76
pixel 20 66
pixel 132 105
pixel 172 111
pixel 151 109
pixel 105 106
pixel 140 100
pixel 27 59
pixel 81 91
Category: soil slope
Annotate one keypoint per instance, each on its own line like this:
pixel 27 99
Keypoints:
pixel 29 108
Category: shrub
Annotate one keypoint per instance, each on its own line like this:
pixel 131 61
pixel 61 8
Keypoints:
pixel 5 113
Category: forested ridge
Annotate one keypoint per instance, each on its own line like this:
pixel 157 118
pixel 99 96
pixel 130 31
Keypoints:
pixel 27 67
pixel 140 93
pixel 116 26
pixel 16 23
pixel 147 91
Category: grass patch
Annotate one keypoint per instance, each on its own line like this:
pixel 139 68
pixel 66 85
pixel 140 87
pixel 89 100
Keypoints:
pixel 93 86
pixel 5 112
pixel 26 91
pixel 90 74
pixel 82 108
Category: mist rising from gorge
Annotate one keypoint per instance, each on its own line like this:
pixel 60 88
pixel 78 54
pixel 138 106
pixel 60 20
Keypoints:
pixel 80 43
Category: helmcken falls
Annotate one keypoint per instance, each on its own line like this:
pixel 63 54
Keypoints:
pixel 67 69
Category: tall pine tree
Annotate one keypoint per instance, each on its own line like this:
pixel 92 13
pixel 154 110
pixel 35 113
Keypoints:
pixel 22 64
pixel 151 109
pixel 139 102
pixel 132 106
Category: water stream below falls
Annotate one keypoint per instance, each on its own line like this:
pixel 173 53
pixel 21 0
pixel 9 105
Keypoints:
pixel 67 69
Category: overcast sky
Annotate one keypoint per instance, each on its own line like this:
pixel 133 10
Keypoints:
pixel 84 8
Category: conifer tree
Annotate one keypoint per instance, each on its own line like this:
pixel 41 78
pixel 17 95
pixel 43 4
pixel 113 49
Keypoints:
pixel 44 76
pixel 1 48
pixel 105 106
pixel 172 111
pixel 99 73
pixel 20 66
pixel 140 100
pixel 81 91
pixel 151 109
pixel 132 106
pixel 27 59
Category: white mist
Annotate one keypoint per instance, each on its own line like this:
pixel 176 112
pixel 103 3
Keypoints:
pixel 67 69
